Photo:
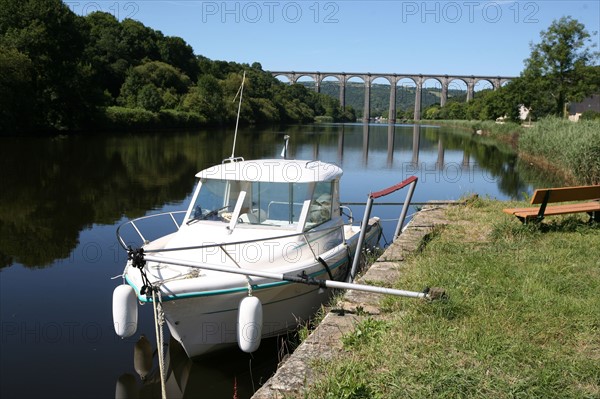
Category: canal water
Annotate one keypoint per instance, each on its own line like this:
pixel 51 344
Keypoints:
pixel 62 199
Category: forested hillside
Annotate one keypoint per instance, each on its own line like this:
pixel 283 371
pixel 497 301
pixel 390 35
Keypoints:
pixel 64 72
pixel 380 98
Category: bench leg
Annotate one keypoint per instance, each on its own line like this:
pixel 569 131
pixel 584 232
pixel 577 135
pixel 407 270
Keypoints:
pixel 534 219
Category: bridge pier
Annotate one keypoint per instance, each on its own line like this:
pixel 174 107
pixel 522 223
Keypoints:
pixel 444 96
pixel 343 92
pixel 470 81
pixel 470 89
pixel 417 114
pixel 392 108
pixel 367 104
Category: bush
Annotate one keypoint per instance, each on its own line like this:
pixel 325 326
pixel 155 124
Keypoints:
pixel 590 115
pixel 324 119
pixel 170 118
pixel 129 118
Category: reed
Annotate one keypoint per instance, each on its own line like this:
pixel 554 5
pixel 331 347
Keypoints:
pixel 573 146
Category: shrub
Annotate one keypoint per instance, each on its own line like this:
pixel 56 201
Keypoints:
pixel 170 118
pixel 590 115
pixel 129 118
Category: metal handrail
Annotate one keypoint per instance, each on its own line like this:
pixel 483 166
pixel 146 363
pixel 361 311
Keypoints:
pixel 132 223
pixel 312 231
pixel 411 182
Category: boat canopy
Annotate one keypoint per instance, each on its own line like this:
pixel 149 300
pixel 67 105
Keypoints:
pixel 273 171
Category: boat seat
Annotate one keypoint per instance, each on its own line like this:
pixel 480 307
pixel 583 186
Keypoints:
pixel 253 217
pixel 248 218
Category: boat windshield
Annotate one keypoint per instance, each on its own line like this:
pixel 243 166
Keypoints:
pixel 265 203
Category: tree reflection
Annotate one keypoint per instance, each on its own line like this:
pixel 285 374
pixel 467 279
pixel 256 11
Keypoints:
pixel 52 189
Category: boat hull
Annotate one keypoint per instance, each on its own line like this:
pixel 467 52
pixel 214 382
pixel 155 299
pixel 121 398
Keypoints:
pixel 207 323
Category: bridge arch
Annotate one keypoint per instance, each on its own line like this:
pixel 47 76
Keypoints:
pixel 406 88
pixel 383 109
pixel 283 78
pixel 432 94
pixel 445 81
pixel 457 88
pixel 482 86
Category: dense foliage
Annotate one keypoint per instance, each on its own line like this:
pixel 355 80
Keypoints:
pixel 562 68
pixel 60 71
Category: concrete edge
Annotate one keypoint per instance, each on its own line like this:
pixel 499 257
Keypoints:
pixel 295 374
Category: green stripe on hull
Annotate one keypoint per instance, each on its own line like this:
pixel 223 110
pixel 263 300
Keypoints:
pixel 143 298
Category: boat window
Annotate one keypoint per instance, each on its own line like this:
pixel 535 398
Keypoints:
pixel 320 205
pixel 276 203
pixel 266 203
pixel 217 199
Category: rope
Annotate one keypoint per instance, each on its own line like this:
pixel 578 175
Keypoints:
pixel 159 321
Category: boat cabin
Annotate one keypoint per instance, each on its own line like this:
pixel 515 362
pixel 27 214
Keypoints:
pixel 287 194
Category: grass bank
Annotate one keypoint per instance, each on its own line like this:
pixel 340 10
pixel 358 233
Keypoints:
pixel 552 143
pixel 521 320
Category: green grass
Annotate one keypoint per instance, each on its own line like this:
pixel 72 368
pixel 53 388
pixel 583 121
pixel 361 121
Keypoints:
pixel 522 319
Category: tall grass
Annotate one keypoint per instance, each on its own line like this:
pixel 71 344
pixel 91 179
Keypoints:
pixel 574 146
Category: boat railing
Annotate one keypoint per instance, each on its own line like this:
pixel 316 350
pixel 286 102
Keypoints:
pixel 411 182
pixel 304 234
pixel 135 227
pixel 349 214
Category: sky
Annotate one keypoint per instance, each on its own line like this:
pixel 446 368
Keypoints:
pixel 479 37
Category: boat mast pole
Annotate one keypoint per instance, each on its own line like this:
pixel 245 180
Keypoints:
pixel 237 120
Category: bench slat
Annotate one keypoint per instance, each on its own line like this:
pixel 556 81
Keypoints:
pixel 563 194
pixel 555 210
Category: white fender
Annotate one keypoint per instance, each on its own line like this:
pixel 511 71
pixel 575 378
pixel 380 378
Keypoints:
pixel 142 357
pixel 125 312
pixel 249 327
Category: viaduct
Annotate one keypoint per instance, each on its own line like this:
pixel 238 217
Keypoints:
pixel 393 79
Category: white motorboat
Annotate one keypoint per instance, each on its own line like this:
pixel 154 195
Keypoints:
pixel 261 229
pixel 252 257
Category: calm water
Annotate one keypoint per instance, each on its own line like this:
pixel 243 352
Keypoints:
pixel 62 199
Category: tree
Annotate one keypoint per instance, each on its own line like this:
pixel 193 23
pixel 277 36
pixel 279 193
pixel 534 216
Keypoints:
pixel 105 52
pixel 16 86
pixel 175 51
pixel 154 85
pixel 206 99
pixel 50 36
pixel 559 67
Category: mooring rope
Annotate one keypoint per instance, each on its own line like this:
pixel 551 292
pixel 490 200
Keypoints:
pixel 159 321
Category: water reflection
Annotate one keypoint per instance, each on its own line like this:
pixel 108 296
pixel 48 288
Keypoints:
pixel 61 200
pixel 227 374
pixel 55 188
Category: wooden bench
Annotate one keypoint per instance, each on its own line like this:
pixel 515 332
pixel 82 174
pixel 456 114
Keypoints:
pixel 564 194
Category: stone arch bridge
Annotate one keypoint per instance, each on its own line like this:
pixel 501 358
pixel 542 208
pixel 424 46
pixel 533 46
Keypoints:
pixel 393 79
